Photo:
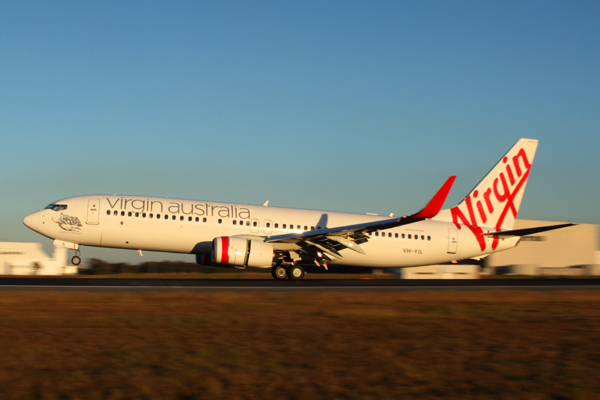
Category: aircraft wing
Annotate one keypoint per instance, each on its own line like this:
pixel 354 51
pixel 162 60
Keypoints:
pixel 332 240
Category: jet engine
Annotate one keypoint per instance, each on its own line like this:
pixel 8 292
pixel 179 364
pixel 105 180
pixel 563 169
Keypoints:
pixel 240 251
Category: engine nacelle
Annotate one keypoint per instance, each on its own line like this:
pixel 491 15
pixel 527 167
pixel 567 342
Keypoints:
pixel 231 250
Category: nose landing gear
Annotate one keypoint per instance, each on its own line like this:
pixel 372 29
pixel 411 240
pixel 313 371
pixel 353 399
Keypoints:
pixel 76 260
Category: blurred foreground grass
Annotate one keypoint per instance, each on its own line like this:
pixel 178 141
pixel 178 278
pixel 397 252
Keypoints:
pixel 185 345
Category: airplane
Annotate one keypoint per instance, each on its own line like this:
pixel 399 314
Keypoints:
pixel 285 239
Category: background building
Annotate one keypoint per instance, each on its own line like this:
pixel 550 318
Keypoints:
pixel 30 259
pixel 567 251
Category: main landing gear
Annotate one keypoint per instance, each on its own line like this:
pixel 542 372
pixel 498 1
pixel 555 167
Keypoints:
pixel 292 272
pixel 279 272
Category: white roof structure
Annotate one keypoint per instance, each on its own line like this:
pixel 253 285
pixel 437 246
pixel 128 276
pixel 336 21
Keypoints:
pixel 30 259
pixel 561 248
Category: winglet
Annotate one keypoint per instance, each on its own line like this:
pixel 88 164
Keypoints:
pixel 437 201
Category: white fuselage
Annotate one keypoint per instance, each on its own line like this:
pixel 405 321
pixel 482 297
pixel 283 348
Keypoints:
pixel 188 226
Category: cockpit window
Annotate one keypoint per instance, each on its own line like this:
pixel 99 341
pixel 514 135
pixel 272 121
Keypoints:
pixel 56 207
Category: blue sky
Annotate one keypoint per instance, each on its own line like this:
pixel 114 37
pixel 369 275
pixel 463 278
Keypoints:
pixel 335 105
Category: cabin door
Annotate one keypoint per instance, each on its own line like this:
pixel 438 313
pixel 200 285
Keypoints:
pixel 93 211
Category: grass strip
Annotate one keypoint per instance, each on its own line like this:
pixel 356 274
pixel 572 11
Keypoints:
pixel 426 345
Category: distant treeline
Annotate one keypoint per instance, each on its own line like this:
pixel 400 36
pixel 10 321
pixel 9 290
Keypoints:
pixel 99 267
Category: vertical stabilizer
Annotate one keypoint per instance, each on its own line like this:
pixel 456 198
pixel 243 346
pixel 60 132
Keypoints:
pixel 495 201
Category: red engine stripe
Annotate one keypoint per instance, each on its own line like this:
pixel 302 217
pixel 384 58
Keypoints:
pixel 224 250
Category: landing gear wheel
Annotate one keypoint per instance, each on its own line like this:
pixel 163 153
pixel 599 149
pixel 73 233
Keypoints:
pixel 295 272
pixel 76 260
pixel 279 272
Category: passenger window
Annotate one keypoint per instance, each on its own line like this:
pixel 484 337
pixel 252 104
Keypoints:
pixel 190 219
pixel 203 219
pixel 197 219
pixel 234 222
pixel 116 213
pixel 268 224
pixel 166 216
pixel 305 227
pixel 422 237
pixel 129 214
pixel 107 212
pixel 429 238
pixel 403 236
pixel 143 215
pixel 409 236
pixel 254 223
pixel 151 215
pixel 173 217
pixel 284 226
pixel 376 233
pixel 220 220
pixel 276 225
pixel 181 218
pixel 396 235
pixel 122 213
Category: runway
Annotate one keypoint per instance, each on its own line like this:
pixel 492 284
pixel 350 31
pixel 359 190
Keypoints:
pixel 309 285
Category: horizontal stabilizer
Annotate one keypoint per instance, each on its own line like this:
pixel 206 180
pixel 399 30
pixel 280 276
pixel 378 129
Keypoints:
pixel 528 231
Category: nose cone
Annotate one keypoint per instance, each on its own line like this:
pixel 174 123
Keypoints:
pixel 32 221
